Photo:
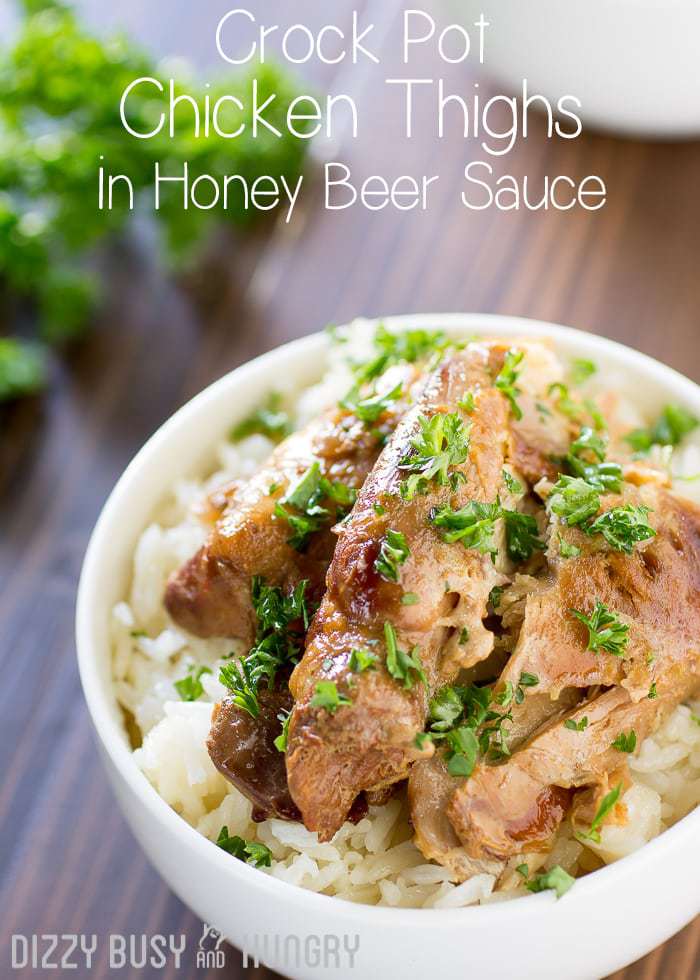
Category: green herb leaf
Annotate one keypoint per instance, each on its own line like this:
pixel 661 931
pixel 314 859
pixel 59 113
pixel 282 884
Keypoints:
pixel 251 852
pixel 511 483
pixel 441 444
pixel 403 346
pixel 626 742
pixel 522 535
pixel 392 554
pixel 556 880
pixel 190 687
pixel 410 599
pixel 269 420
pixel 607 804
pixel 404 667
pixel 672 426
pixel 581 370
pixel 622 527
pixel 605 630
pixel 328 697
pixel 280 742
pixel 370 408
pixel 576 726
pixel 474 525
pixel 277 643
pixel 467 404
pixel 445 708
pixel 464 751
pixel 302 506
pixel 652 692
pixel 507 378
pixel 567 550
pixel 574 500
pixel 495 596
pixel 362 660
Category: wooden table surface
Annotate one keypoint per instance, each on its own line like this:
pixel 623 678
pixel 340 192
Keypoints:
pixel 629 271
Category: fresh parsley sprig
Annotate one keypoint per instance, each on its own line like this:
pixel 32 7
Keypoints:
pixel 507 378
pixel 328 697
pixel 190 687
pixel 626 741
pixel 369 408
pixel 252 852
pixel 393 553
pixel 304 506
pixel 403 666
pixel 672 426
pixel 605 630
pixel 607 804
pixel 268 420
pixel 441 444
pixel 282 621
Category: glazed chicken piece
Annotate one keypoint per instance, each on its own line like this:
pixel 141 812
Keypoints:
pixel 243 749
pixel 211 594
pixel 655 591
pixel 435 603
pixel 502 811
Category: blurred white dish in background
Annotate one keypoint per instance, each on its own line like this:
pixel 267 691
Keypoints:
pixel 634 64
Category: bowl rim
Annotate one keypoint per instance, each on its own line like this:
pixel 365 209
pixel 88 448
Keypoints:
pixel 100 698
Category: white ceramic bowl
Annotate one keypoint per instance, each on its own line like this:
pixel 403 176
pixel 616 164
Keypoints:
pixel 606 920
pixel 634 64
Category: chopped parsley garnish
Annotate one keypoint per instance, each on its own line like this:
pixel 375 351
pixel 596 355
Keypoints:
pixel 526 680
pixel 463 636
pixel 268 421
pixel 371 407
pixel 567 550
pixel 441 444
pixel 277 642
pixel 463 751
pixel 652 692
pixel 410 599
pixel 362 660
pixel 495 596
pixel 586 459
pixel 280 742
pixel 511 483
pixel 607 804
pixel 467 404
pixel 302 506
pixel 622 527
pixel 674 423
pixel 576 726
pixel 328 697
pixel 462 717
pixel 378 509
pixel 474 525
pixel 190 687
pixel 695 718
pixel 242 679
pixel 556 880
pixel 507 378
pixel 522 535
pixel 574 500
pixel 605 630
pixel 407 346
pixel 251 852
pixel 392 554
pixel 626 742
pixel 575 410
pixel 581 370
pixel 403 666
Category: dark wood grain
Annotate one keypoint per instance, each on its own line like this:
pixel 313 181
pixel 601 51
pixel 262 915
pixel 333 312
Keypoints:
pixel 69 865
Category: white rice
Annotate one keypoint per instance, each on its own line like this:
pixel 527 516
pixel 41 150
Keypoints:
pixel 375 861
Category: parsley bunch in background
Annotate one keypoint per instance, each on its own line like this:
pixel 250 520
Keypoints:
pixel 60 89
